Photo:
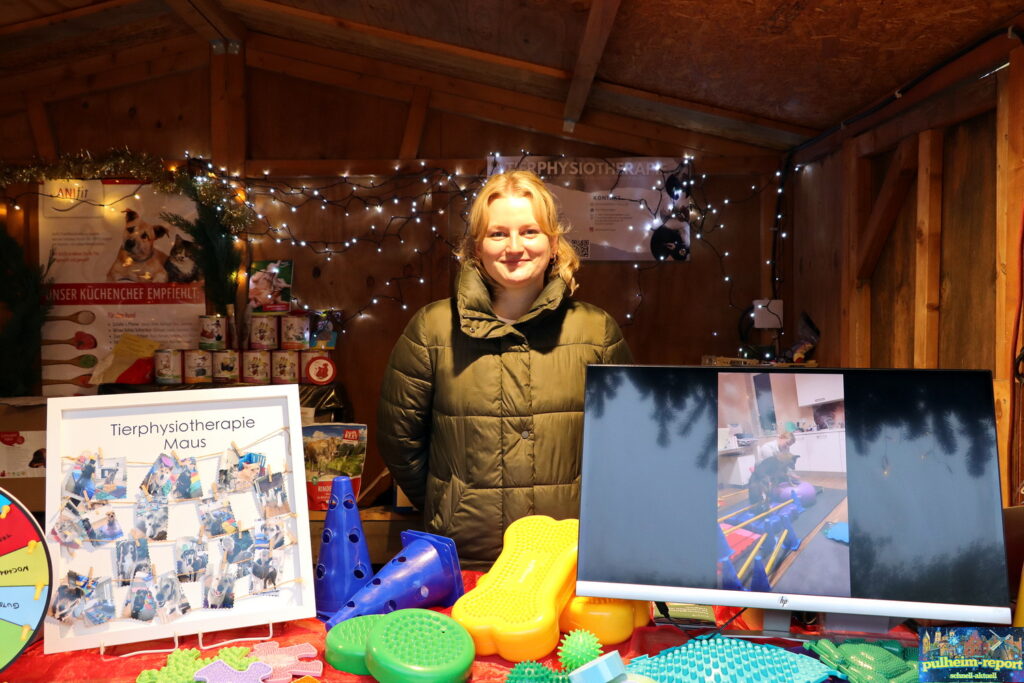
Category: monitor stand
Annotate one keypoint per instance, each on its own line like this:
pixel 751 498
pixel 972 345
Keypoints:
pixel 777 623
pixel 833 622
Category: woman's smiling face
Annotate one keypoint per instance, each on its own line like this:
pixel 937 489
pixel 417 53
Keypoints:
pixel 514 252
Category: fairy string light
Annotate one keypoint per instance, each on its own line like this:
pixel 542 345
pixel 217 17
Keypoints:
pixel 412 207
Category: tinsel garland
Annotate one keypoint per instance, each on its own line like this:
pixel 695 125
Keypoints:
pixel 23 307
pixel 191 179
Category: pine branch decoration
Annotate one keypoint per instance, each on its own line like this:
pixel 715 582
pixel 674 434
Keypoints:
pixel 23 307
pixel 217 257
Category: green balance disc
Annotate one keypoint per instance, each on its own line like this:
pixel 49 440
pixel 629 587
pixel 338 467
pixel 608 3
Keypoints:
pixel 346 644
pixel 419 646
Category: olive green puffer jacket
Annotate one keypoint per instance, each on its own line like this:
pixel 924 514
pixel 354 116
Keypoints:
pixel 481 422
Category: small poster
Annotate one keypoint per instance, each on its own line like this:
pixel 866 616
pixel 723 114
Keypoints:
pixel 175 513
pixel 332 450
pixel 23 454
pixel 270 286
pixel 971 653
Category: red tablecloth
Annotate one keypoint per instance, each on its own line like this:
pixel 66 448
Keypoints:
pixel 88 666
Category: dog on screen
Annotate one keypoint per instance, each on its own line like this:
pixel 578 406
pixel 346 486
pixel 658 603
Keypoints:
pixel 138 259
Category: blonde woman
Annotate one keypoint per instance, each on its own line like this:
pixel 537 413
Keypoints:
pixel 481 408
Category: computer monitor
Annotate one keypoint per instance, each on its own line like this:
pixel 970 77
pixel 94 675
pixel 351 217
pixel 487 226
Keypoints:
pixel 863 492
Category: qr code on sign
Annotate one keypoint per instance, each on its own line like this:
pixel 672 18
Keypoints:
pixel 582 247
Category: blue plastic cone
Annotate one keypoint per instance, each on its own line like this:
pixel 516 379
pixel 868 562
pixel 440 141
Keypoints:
pixel 343 565
pixel 425 573
pixel 759 577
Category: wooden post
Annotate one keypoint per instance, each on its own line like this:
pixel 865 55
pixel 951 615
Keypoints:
pixel 928 249
pixel 855 296
pixel 1009 209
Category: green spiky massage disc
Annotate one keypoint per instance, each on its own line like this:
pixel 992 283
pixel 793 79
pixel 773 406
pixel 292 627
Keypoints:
pixel 346 644
pixel 529 672
pixel 419 646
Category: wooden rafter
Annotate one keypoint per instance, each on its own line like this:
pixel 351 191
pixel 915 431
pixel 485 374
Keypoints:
pixel 278 9
pixel 414 124
pixel 228 109
pixel 897 183
pixel 945 109
pixel 490 103
pixel 51 19
pixel 209 20
pixel 526 78
pixel 89 67
pixel 987 56
pixel 600 20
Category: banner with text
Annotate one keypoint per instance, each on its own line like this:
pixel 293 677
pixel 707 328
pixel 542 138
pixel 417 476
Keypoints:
pixel 618 209
pixel 117 269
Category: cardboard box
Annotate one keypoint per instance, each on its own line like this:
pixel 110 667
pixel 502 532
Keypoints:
pixel 22 421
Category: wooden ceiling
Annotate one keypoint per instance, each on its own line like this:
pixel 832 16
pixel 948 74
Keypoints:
pixel 760 72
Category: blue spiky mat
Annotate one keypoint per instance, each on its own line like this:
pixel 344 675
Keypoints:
pixel 719 659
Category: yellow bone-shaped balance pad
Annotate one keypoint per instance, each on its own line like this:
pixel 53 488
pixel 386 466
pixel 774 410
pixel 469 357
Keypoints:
pixel 513 610
pixel 612 620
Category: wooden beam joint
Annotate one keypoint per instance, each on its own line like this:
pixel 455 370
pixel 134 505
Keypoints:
pixel 886 209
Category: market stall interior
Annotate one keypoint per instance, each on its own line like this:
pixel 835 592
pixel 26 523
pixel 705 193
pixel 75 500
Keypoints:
pixel 202 196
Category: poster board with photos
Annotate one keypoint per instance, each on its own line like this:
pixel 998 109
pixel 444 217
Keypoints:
pixel 174 513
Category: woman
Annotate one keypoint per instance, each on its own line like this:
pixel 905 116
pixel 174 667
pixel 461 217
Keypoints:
pixel 481 410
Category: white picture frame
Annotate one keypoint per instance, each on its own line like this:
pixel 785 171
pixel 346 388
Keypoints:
pixel 137 428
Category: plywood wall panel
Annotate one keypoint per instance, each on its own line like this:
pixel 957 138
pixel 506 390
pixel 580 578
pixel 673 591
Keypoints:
pixel 16 137
pixel 290 118
pixel 967 289
pixel 892 295
pixel 163 116
pixel 815 229
pixel 450 136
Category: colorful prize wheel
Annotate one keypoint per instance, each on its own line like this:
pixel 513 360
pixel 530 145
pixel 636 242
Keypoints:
pixel 24 578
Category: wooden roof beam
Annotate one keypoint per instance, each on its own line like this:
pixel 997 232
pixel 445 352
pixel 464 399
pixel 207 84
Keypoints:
pixel 51 19
pixel 278 9
pixel 600 20
pixel 987 56
pixel 489 103
pixel 209 20
pixel 897 183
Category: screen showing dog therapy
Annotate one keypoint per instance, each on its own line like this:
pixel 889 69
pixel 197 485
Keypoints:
pixel 861 491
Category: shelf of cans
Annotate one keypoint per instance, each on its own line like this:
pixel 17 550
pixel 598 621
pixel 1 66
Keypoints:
pixel 278 353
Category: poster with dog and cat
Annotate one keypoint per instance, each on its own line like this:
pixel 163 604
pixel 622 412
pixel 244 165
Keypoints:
pixel 118 271
pixel 175 513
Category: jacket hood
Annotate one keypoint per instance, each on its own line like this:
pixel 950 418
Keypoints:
pixel 476 316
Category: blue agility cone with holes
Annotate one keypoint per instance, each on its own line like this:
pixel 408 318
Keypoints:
pixel 425 573
pixel 343 565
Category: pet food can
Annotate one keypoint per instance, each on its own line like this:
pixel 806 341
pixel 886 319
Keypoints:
pixel 295 332
pixel 212 332
pixel 305 358
pixel 167 366
pixel 255 367
pixel 225 366
pixel 198 366
pixel 284 367
pixel 263 332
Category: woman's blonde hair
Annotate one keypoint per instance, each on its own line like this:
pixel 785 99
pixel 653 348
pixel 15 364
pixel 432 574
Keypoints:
pixel 564 261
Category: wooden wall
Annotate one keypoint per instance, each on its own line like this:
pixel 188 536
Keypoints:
pixel 680 311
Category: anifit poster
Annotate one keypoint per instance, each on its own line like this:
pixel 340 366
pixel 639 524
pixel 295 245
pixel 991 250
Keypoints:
pixel 117 269
pixel 622 209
